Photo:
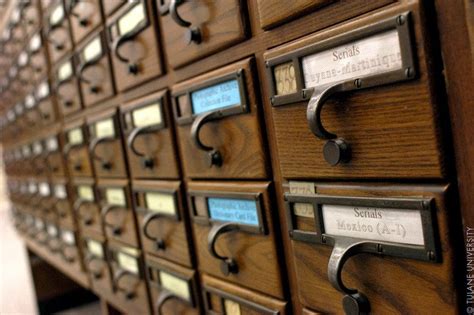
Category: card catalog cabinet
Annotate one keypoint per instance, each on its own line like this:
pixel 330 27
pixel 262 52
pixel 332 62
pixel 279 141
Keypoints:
pixel 84 16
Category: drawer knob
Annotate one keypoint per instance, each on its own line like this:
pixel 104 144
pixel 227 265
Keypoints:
pixel 336 151
pixel 192 34
pixel 228 265
pixel 214 156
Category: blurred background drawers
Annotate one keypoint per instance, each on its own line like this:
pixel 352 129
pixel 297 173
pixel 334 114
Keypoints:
pixel 76 149
pixel 84 16
pixel 57 31
pixel 67 87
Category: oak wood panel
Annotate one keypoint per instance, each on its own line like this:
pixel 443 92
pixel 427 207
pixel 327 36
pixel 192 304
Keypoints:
pixel 256 255
pixel 173 306
pixel 237 294
pixel 143 50
pixel 385 280
pixel 222 23
pixel 407 146
pixel 121 217
pixel 239 138
pixel 84 17
pixel 176 233
pixel 159 145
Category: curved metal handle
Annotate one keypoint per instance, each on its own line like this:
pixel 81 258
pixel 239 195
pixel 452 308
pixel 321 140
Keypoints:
pixel 164 296
pixel 57 46
pixel 116 230
pixel 68 259
pixel 214 155
pixel 133 67
pixel 353 302
pixel 228 265
pixel 97 274
pixel 135 133
pixel 193 34
pixel 66 102
pixel 83 22
pixel 119 275
pixel 88 220
pixel 94 89
pixel 150 217
pixel 92 147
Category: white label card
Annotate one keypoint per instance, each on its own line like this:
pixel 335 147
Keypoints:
pixel 43 90
pixel 375 54
pixel 26 151
pixel 52 230
pixel 32 188
pixel 85 192
pixel 147 116
pixel 30 101
pixel 115 196
pixel 231 307
pixel 35 42
pixel 68 237
pixel 11 115
pixel 19 109
pixel 380 224
pixel 175 285
pixel 57 15
pixel 74 136
pixel 160 202
pixel 95 248
pixel 302 188
pixel 44 189
pixel 105 128
pixel 23 59
pixel 60 191
pixel 39 224
pixel 127 262
pixel 93 49
pixel 52 144
pixel 131 19
pixel 65 71
pixel 37 148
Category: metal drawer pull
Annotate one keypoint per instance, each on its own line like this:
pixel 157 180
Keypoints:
pixel 164 296
pixel 147 161
pixel 193 34
pixel 88 220
pixel 94 88
pixel 133 66
pixel 119 275
pixel 106 165
pixel 228 265
pixel 159 242
pixel 96 274
pixel 214 155
pixel 116 230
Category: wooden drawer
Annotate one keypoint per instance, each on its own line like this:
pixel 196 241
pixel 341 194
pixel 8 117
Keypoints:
pixel 71 250
pixel 38 56
pixel 386 131
pixel 26 158
pixel 200 28
pixel 67 87
pixel 150 141
pixel 53 239
pixel 395 238
pixel 128 278
pixel 275 12
pixel 84 16
pixel 46 201
pixel 106 149
pixel 163 221
pixel 224 138
pixel 57 31
pixel 95 262
pixel 174 289
pixel 38 160
pixel 31 17
pixel 86 208
pixel 116 211
pixel 64 196
pixel 54 155
pixel 224 298
pixel 45 103
pixel 93 70
pixel 38 232
pixel 76 150
pixel 134 46
pixel 25 71
pixel 109 6
pixel 235 235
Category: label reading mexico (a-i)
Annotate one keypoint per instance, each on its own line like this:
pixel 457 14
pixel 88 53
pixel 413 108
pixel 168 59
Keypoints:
pixel 378 224
pixel 240 211
pixel 375 54
pixel 217 96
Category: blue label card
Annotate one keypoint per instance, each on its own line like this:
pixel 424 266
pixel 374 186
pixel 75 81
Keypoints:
pixel 240 211
pixel 217 96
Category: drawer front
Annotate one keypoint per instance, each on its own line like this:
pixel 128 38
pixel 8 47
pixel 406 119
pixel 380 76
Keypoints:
pixel 93 70
pixel 174 289
pixel 235 235
pixel 128 279
pixel 116 211
pixel 53 238
pixel 70 250
pixel 324 128
pixel 45 103
pixel 219 124
pixel 201 28
pixel 46 201
pixel 106 149
pixel 54 155
pixel 110 6
pixel 64 196
pixel 38 56
pixel 224 298
pixel 163 221
pixel 31 17
pixel 96 263
pixel 150 141
pixel 84 16
pixel 86 208
pixel 407 224
pixel 67 87
pixel 76 151
pixel 134 47
pixel 38 161
pixel 275 12
pixel 57 32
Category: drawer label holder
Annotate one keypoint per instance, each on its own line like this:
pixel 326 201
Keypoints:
pixel 375 55
pixel 400 227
